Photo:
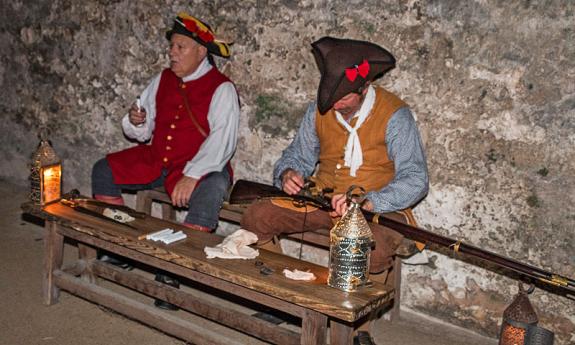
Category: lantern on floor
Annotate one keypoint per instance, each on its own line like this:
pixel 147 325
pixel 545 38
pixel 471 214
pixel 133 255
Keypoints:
pixel 350 247
pixel 45 175
pixel 519 326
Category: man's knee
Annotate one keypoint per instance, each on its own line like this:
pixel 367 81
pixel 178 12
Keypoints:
pixel 257 217
pixel 216 183
pixel 100 169
pixel 103 179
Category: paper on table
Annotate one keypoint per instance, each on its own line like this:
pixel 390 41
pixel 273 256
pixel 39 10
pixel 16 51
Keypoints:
pixel 118 215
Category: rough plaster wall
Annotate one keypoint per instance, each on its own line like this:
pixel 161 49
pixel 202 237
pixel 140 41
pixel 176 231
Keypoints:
pixel 490 83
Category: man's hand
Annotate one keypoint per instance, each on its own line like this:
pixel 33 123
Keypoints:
pixel 137 117
pixel 339 204
pixel 292 181
pixel 183 191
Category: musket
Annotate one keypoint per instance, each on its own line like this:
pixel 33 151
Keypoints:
pixel 76 206
pixel 246 192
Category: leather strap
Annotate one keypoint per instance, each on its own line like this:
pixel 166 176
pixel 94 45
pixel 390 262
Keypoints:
pixel 187 105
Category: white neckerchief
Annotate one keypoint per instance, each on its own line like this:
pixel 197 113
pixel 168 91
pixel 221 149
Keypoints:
pixel 353 154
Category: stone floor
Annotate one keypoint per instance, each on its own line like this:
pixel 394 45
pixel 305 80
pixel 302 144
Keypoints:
pixel 25 320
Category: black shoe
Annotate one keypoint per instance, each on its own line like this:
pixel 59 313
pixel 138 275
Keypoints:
pixel 166 279
pixel 165 305
pixel 116 261
pixel 363 338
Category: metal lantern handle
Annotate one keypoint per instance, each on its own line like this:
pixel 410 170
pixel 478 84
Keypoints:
pixel 530 288
pixel 352 197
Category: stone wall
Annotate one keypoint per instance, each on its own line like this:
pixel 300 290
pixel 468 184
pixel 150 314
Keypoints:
pixel 490 83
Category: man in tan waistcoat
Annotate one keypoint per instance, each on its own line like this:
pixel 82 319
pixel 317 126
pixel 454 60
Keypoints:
pixel 355 134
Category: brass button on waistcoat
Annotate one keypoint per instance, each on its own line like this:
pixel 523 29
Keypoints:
pixel 165 159
pixel 169 137
pixel 168 148
pixel 172 126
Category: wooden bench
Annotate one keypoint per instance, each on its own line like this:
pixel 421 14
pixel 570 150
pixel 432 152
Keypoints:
pixel 233 214
pixel 317 304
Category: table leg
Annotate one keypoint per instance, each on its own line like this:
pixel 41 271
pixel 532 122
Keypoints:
pixel 340 333
pixel 87 254
pixel 53 252
pixel 314 328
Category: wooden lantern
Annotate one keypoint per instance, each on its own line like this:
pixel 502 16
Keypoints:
pixel 45 175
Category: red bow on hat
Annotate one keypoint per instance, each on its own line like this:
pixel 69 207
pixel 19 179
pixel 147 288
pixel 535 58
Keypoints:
pixel 352 72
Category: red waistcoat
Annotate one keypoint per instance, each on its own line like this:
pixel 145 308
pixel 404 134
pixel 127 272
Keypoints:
pixel 176 140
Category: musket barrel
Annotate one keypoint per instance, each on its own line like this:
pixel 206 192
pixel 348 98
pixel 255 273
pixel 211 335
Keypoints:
pixel 419 234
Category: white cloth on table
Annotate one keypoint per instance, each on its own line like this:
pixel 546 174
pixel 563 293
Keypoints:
pixel 234 246
pixel 298 275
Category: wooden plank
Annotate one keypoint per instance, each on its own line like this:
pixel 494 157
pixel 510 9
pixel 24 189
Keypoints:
pixel 75 268
pixel 340 333
pixel 144 202
pixel 313 328
pixel 53 254
pixel 149 315
pixel 231 318
pixel 190 274
pixel 86 254
pixel 396 272
pixel 231 216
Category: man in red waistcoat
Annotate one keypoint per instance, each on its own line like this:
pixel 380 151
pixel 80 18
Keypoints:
pixel 186 122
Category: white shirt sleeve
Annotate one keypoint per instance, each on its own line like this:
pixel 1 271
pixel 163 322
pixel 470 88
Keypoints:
pixel 148 102
pixel 220 145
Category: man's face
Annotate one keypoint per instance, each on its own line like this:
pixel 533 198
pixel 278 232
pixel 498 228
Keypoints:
pixel 185 55
pixel 349 104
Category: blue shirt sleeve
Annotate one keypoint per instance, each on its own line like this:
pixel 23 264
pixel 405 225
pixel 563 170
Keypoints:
pixel 404 147
pixel 303 152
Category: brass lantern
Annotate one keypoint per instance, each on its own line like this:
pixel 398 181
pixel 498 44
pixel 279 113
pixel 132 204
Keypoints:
pixel 350 247
pixel 519 325
pixel 45 175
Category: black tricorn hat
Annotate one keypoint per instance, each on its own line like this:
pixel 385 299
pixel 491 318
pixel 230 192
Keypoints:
pixel 345 66
pixel 201 32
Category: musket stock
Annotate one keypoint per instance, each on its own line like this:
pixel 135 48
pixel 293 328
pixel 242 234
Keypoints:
pixel 246 192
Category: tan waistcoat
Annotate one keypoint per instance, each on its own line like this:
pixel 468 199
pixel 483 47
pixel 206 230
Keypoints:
pixel 377 169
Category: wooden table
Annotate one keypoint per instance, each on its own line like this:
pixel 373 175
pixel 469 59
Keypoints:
pixel 317 304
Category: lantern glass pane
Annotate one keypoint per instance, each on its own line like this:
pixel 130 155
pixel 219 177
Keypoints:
pixel 51 183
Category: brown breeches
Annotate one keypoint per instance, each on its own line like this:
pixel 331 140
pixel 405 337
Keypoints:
pixel 267 220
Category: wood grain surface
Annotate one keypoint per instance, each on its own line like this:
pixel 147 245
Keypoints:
pixel 189 253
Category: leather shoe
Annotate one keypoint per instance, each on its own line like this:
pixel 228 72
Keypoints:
pixel 171 281
pixel 406 248
pixel 116 261
pixel 363 338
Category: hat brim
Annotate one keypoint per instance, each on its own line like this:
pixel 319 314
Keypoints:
pixel 214 47
pixel 333 56
pixel 333 87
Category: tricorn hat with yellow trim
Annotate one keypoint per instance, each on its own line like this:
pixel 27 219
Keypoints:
pixel 345 66
pixel 201 32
